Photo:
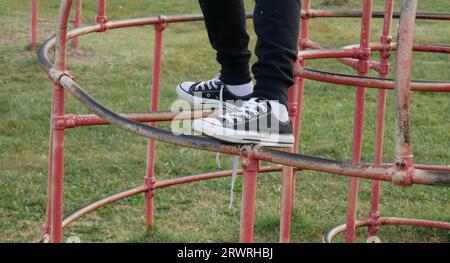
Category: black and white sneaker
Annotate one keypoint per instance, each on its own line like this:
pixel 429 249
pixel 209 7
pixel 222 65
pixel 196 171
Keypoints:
pixel 258 121
pixel 213 93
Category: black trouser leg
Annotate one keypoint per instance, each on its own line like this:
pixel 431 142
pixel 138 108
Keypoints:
pixel 277 27
pixel 226 25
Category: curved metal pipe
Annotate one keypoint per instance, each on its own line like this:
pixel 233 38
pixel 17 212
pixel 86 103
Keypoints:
pixel 97 204
pixel 201 143
pixel 160 184
pixel 331 234
pixel 370 82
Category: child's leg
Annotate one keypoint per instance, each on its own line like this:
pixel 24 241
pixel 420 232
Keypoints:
pixel 277 27
pixel 226 25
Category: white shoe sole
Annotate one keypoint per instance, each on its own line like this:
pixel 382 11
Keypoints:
pixel 207 104
pixel 243 137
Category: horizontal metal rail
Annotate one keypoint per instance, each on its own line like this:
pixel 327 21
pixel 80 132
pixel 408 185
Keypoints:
pixel 207 144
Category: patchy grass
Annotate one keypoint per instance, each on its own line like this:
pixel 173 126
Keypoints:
pixel 115 67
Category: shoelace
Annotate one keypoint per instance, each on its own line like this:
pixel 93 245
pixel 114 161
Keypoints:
pixel 249 107
pixel 209 84
pixel 233 178
pixel 233 175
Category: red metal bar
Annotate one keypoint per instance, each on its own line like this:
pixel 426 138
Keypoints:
pixel 46 228
pixel 100 203
pixel 212 175
pixel 414 222
pixel 359 121
pixel 150 177
pixel 379 133
pixel 58 100
pixel 330 53
pixel 328 237
pixel 34 22
pixel 349 80
pixel 349 14
pixel 287 203
pixel 403 150
pixel 73 120
pixel 101 12
pixel 160 184
pixel 295 110
pixel 250 167
pixel 77 21
pixel 432 48
pixel 288 176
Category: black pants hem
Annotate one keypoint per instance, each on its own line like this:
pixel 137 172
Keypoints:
pixel 276 25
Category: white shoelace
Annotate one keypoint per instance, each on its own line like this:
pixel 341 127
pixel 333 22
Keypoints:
pixel 233 178
pixel 209 84
pixel 233 175
pixel 250 106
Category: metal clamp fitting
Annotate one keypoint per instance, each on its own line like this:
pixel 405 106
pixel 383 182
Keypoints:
pixel 56 75
pixel 58 123
pixel 161 25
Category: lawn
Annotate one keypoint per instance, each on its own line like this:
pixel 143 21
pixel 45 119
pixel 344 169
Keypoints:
pixel 115 67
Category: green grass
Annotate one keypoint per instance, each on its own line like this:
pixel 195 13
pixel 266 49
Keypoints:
pixel 115 68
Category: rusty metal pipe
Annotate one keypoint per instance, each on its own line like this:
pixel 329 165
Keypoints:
pixel 160 184
pixel 77 21
pixel 329 236
pixel 102 202
pixel 34 22
pixel 212 175
pixel 73 120
pixel 403 150
pixel 58 101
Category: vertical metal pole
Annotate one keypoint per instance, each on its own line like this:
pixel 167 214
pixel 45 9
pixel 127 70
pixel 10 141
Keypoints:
pixel 287 203
pixel 386 39
pixel 34 22
pixel 58 125
pixel 295 112
pixel 150 176
pixel 288 176
pixel 403 150
pixel 77 21
pixel 46 227
pixel 101 12
pixel 363 66
pixel 250 167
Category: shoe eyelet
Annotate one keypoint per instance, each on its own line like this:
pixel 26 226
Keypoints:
pixel 203 88
pixel 207 95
